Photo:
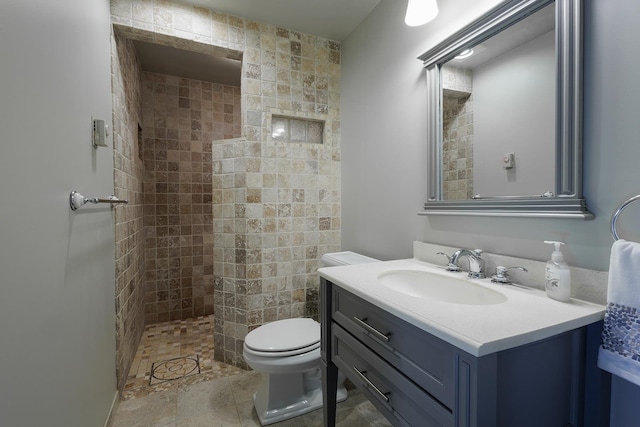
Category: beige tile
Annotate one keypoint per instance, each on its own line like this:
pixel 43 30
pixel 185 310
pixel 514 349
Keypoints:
pixel 244 385
pixel 298 73
pixel 153 409
pixel 203 398
pixel 247 414
pixel 222 417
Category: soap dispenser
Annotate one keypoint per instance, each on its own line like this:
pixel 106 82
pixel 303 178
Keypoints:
pixel 557 275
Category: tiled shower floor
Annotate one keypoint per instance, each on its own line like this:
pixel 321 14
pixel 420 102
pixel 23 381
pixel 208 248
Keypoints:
pixel 219 395
pixel 176 349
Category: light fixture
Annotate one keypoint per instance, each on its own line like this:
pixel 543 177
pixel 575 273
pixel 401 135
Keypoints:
pixel 420 12
pixel 464 54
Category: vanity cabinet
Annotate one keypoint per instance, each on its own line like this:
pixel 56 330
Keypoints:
pixel 417 379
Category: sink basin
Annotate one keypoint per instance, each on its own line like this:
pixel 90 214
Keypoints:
pixel 424 284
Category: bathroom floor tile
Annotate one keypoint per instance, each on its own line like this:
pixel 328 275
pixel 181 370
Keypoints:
pixel 173 369
pixel 220 395
pixel 228 402
pixel 161 342
pixel 205 397
pixel 157 409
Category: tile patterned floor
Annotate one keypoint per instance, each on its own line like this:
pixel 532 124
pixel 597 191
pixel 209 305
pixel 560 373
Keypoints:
pixel 220 395
pixel 173 369
pixel 175 340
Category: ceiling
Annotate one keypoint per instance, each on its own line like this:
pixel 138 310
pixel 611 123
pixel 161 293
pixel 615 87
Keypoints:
pixel 331 19
pixel 183 63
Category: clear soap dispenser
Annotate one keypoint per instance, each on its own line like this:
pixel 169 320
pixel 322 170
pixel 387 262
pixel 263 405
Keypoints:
pixel 557 275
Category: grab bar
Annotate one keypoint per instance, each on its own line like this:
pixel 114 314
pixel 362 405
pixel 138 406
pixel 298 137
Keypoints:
pixel 77 200
pixel 617 213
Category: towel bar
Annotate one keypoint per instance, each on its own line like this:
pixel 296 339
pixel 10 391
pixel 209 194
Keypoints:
pixel 614 218
pixel 77 200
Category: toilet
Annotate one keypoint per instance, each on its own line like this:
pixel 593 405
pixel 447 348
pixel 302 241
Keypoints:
pixel 287 353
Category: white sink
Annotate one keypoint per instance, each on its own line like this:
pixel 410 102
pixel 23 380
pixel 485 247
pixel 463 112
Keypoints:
pixel 424 284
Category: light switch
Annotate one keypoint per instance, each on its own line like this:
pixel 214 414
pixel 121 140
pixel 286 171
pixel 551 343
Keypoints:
pixel 100 133
pixel 508 160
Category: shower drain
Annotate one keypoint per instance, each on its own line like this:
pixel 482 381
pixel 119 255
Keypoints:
pixel 173 369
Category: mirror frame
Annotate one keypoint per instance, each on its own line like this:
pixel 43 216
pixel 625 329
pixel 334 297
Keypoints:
pixel 567 201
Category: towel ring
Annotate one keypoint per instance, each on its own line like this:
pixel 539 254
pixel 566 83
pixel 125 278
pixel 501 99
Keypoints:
pixel 614 218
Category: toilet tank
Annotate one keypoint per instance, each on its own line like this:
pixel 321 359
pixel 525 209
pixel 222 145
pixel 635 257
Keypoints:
pixel 345 258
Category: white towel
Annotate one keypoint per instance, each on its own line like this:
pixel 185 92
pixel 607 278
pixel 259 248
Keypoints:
pixel 620 349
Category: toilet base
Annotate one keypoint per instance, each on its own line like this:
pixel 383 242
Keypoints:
pixel 270 411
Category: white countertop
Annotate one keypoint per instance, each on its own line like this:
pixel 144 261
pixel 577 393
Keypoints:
pixel 528 315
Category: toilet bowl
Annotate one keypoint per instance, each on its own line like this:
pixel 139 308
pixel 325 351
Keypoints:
pixel 287 354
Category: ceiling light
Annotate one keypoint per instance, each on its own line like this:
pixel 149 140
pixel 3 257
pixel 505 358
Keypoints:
pixel 464 54
pixel 420 12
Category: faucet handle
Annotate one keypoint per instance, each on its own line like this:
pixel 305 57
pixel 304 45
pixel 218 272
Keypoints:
pixel 502 276
pixel 478 252
pixel 450 266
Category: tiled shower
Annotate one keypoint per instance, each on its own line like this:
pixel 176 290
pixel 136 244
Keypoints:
pixel 223 217
pixel 181 117
pixel 457 133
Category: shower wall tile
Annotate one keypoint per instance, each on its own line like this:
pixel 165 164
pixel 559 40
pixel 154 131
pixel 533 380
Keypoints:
pixel 275 207
pixel 457 133
pixel 128 219
pixel 180 121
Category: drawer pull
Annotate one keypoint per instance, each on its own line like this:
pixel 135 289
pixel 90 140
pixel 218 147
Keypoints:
pixel 374 331
pixel 383 396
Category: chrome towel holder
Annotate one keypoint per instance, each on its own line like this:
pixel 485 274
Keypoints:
pixel 77 200
pixel 617 213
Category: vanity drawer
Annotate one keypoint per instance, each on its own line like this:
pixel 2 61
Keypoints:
pixel 392 393
pixel 427 360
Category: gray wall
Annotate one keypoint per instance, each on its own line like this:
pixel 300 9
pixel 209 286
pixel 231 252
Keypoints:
pixel 503 123
pixel 383 140
pixel 384 157
pixel 383 132
pixel 57 323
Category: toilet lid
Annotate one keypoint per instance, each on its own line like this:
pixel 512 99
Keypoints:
pixel 284 335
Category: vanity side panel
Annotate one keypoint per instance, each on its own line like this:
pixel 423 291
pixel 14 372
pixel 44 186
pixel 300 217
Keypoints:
pixel 538 383
pixel 597 387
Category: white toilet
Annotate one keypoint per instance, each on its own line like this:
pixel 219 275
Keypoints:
pixel 287 353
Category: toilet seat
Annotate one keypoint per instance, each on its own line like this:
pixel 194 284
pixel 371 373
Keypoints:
pixel 282 338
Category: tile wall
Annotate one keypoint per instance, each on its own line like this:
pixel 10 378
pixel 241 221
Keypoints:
pixel 128 175
pixel 181 118
pixel 275 206
pixel 457 133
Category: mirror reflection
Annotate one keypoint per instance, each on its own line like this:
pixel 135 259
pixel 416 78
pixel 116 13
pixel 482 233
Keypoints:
pixel 498 113
pixel 504 125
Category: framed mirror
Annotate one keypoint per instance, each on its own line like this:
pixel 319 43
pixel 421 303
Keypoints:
pixel 504 114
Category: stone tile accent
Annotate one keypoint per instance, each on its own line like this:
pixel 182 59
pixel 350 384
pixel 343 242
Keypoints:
pixel 275 206
pixel 128 219
pixel 181 118
pixel 173 340
pixel 457 133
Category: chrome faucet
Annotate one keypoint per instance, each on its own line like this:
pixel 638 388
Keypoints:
pixel 476 264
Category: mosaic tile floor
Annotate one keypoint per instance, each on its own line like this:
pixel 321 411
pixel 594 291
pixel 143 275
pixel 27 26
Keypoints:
pixel 180 349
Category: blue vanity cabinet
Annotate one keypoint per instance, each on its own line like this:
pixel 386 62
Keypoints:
pixel 417 379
